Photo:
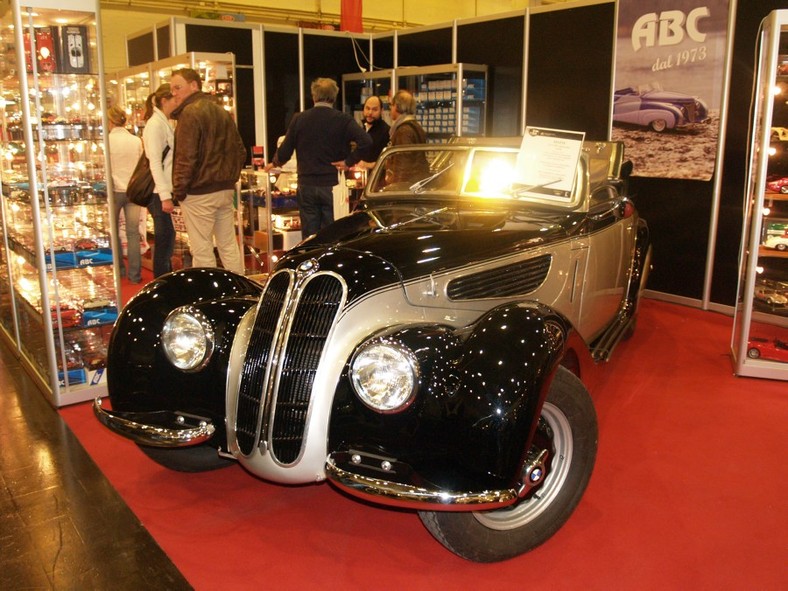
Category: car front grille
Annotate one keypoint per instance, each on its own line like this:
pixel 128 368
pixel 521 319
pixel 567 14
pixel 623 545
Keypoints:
pixel 285 347
pixel 509 280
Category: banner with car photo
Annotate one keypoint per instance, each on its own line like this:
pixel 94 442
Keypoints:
pixel 670 60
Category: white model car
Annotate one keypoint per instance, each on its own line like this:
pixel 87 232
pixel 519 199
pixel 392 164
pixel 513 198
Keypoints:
pixel 776 242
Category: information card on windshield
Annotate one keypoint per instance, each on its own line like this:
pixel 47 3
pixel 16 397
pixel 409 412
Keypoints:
pixel 547 162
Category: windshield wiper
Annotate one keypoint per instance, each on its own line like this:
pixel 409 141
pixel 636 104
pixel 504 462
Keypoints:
pixel 522 190
pixel 418 186
pixel 416 219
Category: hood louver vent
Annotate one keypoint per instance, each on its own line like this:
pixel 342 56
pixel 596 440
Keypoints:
pixel 510 280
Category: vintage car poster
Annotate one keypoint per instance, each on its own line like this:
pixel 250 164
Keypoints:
pixel 669 70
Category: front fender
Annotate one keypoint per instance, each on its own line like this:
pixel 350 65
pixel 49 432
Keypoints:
pixel 479 401
pixel 139 377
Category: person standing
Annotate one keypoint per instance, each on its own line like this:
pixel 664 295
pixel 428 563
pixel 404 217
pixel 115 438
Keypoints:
pixel 322 137
pixel 377 129
pixel 209 155
pixel 157 136
pixel 125 150
pixel 405 129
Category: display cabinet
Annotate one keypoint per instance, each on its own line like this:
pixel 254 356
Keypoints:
pixel 59 289
pixel 358 87
pixel 759 343
pixel 452 98
pixel 129 89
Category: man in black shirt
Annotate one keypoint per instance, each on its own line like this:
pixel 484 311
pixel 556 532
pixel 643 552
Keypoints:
pixel 377 129
pixel 321 136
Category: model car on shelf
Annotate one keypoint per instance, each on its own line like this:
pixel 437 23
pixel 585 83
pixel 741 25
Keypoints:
pixel 430 351
pixel 777 242
pixel 773 349
pixel 778 185
pixel 779 134
pixel 657 109
pixel 769 295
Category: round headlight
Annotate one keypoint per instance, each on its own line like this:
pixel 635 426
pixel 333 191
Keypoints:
pixel 385 375
pixel 187 338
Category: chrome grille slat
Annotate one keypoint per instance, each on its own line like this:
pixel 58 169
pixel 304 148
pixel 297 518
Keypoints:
pixel 314 315
pixel 252 383
pixel 509 280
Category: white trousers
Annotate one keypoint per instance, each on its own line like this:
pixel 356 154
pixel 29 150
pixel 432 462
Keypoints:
pixel 209 218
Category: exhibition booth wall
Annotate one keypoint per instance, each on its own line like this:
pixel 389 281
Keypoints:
pixel 551 66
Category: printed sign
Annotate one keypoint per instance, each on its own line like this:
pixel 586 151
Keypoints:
pixel 547 162
pixel 670 59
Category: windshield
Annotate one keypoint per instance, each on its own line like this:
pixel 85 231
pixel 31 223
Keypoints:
pixel 418 170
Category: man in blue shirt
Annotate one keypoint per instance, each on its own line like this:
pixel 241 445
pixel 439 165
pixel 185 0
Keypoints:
pixel 322 138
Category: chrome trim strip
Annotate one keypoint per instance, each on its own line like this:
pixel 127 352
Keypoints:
pixel 412 497
pixel 195 430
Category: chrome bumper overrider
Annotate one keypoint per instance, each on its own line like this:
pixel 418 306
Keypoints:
pixel 157 428
pixel 412 497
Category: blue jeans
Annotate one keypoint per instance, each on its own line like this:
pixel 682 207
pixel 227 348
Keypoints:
pixel 163 238
pixel 131 213
pixel 315 208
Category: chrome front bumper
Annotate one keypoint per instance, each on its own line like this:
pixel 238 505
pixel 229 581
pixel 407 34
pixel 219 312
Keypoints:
pixel 157 428
pixel 413 497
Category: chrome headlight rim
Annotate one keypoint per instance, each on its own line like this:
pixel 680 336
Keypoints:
pixel 200 320
pixel 407 356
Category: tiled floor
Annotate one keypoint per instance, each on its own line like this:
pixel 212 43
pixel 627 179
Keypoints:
pixel 62 526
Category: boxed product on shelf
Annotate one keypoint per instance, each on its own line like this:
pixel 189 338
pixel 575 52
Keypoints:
pixel 74 51
pixel 75 377
pixel 46 41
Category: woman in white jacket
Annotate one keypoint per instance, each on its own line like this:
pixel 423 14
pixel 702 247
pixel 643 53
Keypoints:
pixel 157 137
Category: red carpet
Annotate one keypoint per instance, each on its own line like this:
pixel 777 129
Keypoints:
pixel 688 493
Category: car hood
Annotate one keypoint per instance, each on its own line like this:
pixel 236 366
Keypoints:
pixel 667 96
pixel 423 239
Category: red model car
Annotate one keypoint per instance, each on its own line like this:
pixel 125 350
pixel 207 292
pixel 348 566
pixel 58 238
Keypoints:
pixel 778 185
pixel 774 349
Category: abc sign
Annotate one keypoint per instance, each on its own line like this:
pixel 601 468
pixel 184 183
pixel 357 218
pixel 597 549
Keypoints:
pixel 668 28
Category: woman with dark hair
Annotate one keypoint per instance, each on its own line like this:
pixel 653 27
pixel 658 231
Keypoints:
pixel 157 136
pixel 125 150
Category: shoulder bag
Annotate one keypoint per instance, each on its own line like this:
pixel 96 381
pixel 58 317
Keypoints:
pixel 141 184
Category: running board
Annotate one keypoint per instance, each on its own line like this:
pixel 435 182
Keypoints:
pixel 602 347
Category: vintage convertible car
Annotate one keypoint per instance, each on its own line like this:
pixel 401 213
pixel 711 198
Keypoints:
pixel 430 351
pixel 658 109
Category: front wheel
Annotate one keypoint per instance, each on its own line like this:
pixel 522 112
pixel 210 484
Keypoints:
pixel 568 431
pixel 199 458
pixel 659 125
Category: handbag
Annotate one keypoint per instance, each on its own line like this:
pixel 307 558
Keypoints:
pixel 141 184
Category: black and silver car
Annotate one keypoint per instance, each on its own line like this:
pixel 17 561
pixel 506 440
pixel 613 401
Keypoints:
pixel 430 351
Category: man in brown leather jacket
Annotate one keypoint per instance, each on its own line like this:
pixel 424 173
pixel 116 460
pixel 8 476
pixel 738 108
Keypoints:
pixel 405 129
pixel 207 162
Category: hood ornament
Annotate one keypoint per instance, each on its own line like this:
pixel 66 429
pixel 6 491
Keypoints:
pixel 307 267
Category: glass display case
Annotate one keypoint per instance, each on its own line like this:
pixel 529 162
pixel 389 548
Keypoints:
pixel 59 289
pixel 357 88
pixel 759 344
pixel 130 89
pixel 452 98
